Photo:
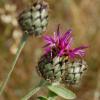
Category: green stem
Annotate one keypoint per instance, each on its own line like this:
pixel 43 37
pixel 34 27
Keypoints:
pixel 21 45
pixel 34 90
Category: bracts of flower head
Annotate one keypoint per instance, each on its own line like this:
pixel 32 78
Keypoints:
pixel 74 71
pixel 51 68
pixel 34 20
pixel 71 63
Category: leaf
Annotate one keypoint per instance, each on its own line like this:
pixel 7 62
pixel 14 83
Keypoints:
pixel 42 98
pixel 51 98
pixel 61 91
pixel 52 95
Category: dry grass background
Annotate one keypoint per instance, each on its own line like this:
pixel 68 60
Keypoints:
pixel 83 16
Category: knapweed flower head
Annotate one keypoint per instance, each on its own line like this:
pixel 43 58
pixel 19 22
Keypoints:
pixel 62 63
pixel 62 43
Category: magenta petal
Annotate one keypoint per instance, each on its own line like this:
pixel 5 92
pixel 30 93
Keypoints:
pixel 46 45
pixel 71 55
pixel 61 53
pixel 47 50
pixel 58 31
pixel 55 37
pixel 81 53
pixel 80 48
pixel 49 39
pixel 67 35
pixel 78 51
pixel 62 43
pixel 68 45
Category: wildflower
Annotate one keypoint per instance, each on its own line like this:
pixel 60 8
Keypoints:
pixel 61 58
pixel 35 19
pixel 62 44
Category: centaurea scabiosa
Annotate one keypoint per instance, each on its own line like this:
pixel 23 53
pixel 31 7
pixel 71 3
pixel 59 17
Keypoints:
pixel 61 62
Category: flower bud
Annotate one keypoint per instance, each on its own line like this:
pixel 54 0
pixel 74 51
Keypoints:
pixel 35 19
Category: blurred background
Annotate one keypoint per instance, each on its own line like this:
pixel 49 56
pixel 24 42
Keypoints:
pixel 83 16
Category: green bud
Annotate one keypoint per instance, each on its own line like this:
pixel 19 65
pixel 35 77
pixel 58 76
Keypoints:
pixel 34 20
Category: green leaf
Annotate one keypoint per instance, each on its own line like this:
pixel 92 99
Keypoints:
pixel 51 98
pixel 52 95
pixel 61 91
pixel 42 98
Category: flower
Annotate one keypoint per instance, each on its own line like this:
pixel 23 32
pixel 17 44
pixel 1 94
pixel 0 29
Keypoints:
pixel 58 63
pixel 62 45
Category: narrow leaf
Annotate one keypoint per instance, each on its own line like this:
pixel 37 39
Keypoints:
pixel 52 95
pixel 42 98
pixel 61 91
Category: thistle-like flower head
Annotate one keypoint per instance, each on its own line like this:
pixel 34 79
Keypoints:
pixel 62 44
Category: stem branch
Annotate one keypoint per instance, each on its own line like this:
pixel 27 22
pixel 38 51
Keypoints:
pixel 34 90
pixel 21 45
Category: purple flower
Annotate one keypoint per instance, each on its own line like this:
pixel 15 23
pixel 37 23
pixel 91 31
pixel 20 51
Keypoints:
pixel 62 44
pixel 72 53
